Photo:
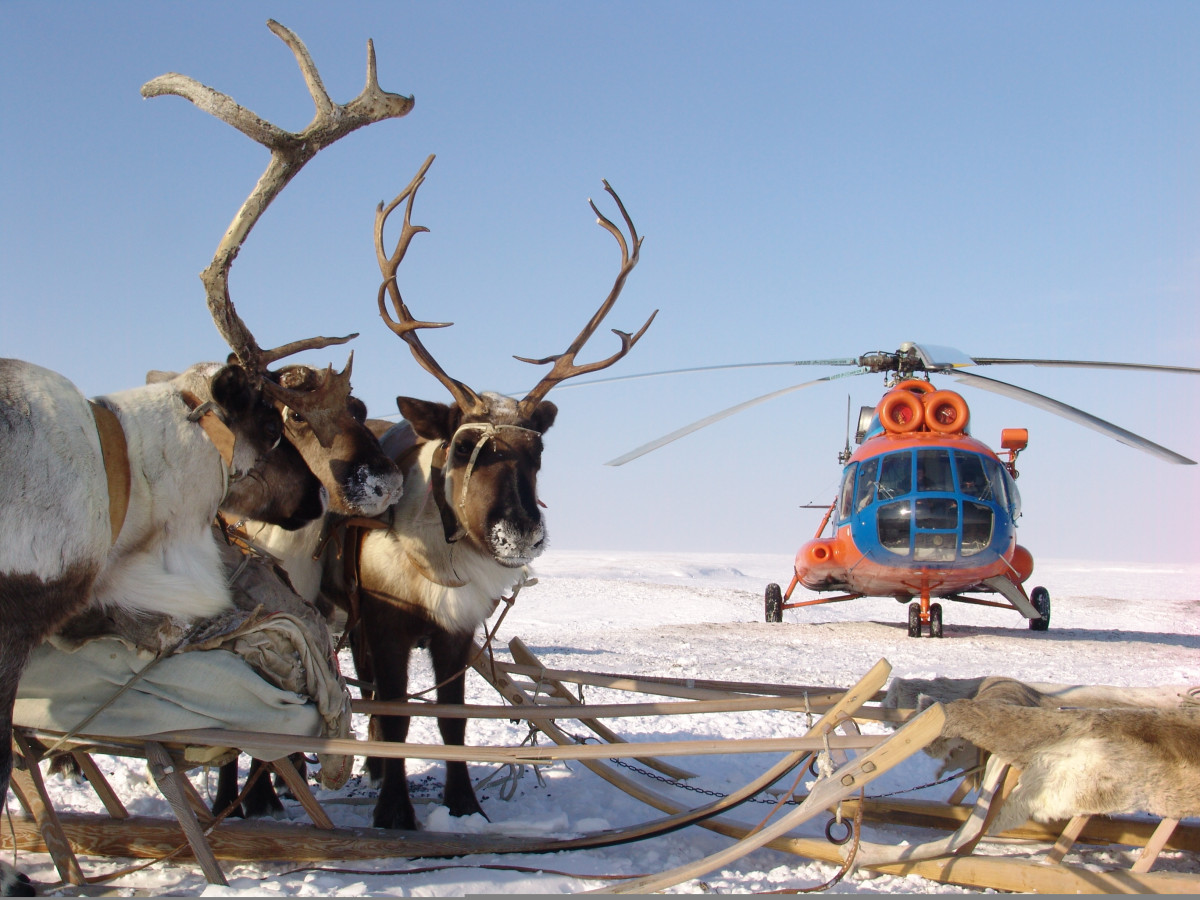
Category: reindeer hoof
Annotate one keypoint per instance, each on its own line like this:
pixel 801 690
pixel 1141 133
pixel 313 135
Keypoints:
pixel 404 820
pixel 14 883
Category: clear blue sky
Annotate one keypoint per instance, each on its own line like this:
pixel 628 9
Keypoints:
pixel 813 180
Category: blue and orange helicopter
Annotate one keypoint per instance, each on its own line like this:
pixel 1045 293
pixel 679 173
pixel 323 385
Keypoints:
pixel 925 511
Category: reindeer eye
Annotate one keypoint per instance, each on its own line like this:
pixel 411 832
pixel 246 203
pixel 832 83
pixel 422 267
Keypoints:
pixel 295 417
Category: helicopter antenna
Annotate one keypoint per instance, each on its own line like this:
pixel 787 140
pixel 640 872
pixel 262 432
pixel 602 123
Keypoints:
pixel 845 454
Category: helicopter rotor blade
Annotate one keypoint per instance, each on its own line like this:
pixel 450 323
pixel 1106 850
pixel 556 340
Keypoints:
pixel 1077 416
pixel 725 413
pixel 717 368
pixel 1084 364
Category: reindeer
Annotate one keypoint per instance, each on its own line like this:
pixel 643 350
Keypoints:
pixel 468 526
pixel 460 537
pixel 110 502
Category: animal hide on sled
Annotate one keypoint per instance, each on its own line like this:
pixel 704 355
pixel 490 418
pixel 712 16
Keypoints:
pixel 279 639
pixel 1072 760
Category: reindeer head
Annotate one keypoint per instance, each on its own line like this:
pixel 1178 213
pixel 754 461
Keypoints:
pixel 485 470
pixel 484 473
pixel 269 479
pixel 327 425
pixel 318 412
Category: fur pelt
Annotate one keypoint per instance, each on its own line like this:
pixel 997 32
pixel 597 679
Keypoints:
pixel 1087 761
pixel 1116 758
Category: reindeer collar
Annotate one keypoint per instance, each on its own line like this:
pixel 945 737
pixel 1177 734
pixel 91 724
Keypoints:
pixel 115 452
pixel 205 414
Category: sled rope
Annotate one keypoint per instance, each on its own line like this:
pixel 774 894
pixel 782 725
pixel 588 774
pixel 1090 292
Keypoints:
pixel 846 866
pixel 489 635
pixel 514 771
pixel 425 870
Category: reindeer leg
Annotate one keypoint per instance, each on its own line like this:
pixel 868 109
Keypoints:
pixel 389 638
pixel 12 882
pixel 227 790
pixel 29 610
pixel 450 654
pixel 262 800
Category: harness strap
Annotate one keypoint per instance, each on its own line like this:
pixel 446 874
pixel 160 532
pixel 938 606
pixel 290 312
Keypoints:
pixel 115 452
pixel 216 430
pixel 437 479
pixel 347 536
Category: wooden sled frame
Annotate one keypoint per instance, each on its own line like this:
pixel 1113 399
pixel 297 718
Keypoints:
pixel 948 861
pixel 543 696
pixel 196 834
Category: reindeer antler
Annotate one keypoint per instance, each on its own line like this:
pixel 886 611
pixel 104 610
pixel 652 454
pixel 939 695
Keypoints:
pixel 564 363
pixel 404 325
pixel 289 152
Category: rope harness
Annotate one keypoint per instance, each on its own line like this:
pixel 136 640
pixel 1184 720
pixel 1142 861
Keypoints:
pixel 451 522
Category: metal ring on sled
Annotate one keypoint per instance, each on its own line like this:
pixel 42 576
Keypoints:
pixel 841 839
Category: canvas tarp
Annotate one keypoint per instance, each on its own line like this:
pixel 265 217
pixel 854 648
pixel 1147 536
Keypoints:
pixel 267 665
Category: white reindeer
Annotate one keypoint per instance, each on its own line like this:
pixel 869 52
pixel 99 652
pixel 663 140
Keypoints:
pixel 125 520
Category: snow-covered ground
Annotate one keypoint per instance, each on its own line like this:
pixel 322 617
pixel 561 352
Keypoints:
pixel 694 615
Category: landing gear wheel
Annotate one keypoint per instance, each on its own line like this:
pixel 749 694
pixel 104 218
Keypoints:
pixel 914 620
pixel 1040 598
pixel 774 603
pixel 935 620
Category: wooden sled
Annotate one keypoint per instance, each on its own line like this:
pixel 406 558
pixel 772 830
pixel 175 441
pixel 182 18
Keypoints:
pixel 195 833
pixel 545 697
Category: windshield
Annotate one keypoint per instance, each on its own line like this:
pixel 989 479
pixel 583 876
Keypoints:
pixel 934 504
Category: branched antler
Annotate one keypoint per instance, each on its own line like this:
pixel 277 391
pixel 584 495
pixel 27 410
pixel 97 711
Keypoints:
pixel 403 324
pixel 564 363
pixel 289 152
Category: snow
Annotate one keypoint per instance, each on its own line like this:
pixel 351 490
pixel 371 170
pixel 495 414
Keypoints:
pixel 698 615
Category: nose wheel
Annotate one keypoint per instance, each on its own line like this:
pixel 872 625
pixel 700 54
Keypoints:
pixel 917 617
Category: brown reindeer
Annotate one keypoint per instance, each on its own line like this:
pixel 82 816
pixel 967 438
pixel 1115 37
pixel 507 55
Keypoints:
pixel 110 502
pixel 460 537
pixel 320 418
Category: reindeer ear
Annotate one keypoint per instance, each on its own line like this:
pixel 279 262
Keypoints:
pixel 231 389
pixel 431 421
pixel 543 417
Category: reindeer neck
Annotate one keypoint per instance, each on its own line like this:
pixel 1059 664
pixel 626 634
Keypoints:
pixel 417 520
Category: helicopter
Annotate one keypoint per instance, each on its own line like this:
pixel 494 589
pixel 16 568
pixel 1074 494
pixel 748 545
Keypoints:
pixel 925 511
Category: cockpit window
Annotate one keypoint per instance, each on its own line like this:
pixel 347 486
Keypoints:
pixel 999 480
pixel 847 493
pixel 972 479
pixel 895 475
pixel 866 483
pixel 894 523
pixel 933 470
